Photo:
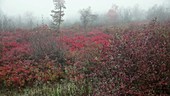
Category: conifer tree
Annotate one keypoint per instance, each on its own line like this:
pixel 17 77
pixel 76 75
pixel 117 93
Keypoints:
pixel 58 13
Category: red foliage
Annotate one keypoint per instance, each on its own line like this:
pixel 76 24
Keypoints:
pixel 15 46
pixel 131 62
pixel 79 42
pixel 16 68
pixel 137 63
pixel 28 73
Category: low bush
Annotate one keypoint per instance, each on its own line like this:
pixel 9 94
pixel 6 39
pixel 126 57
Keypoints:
pixel 137 62
pixel 29 73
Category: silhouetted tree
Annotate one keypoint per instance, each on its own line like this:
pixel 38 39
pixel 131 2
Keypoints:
pixel 137 13
pixel 1 20
pixel 30 20
pixel 159 12
pixel 127 15
pixel 87 17
pixel 19 22
pixel 112 14
pixel 58 13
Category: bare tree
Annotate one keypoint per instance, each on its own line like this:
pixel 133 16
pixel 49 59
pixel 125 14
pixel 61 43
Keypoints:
pixel 19 23
pixel 137 13
pixel 6 23
pixel 159 12
pixel 112 14
pixel 87 17
pixel 29 20
pixel 58 13
pixel 1 20
pixel 127 15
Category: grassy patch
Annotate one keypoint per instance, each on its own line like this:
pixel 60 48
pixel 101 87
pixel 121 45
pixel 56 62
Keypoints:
pixel 60 89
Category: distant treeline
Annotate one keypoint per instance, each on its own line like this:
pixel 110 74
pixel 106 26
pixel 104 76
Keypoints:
pixel 114 15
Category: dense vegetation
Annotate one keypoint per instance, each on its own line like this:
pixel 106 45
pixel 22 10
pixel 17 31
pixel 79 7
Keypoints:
pixel 132 60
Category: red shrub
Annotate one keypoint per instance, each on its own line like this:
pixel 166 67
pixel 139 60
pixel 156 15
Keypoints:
pixel 29 73
pixel 136 63
pixel 133 62
pixel 14 47
pixel 16 68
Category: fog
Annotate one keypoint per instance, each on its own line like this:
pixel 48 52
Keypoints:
pixel 33 13
pixel 44 7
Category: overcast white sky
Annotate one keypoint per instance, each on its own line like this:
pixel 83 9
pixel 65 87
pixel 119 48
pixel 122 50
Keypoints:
pixel 44 7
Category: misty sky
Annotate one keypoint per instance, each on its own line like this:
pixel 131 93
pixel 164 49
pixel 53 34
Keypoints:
pixel 44 7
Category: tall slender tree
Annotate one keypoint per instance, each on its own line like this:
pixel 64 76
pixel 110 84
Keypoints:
pixel 1 19
pixel 58 13
pixel 87 17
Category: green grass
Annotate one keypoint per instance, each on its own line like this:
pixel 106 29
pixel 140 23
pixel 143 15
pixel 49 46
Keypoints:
pixel 60 89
